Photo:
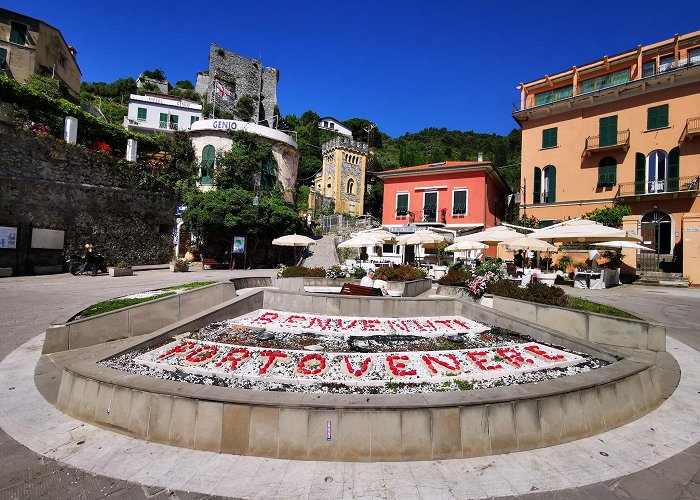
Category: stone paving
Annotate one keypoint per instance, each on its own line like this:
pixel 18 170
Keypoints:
pixel 637 464
pixel 322 253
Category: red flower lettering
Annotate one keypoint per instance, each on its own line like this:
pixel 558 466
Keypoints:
pixel 360 371
pixel 480 360
pixel 272 358
pixel 397 365
pixel 311 364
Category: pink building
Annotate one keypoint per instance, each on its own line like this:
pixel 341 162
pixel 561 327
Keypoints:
pixel 459 195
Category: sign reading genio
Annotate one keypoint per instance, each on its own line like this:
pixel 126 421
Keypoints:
pixel 224 124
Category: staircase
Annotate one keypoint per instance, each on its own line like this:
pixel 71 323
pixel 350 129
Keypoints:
pixel 658 278
pixel 323 253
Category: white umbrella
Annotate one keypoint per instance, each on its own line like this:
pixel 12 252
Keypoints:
pixel 293 240
pixel 529 243
pixel 624 244
pixel 492 236
pixel 464 245
pixel 420 238
pixel 360 240
pixel 380 234
pixel 583 230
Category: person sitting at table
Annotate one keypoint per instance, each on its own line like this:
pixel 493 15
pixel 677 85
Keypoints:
pixel 519 259
pixel 367 279
pixel 381 284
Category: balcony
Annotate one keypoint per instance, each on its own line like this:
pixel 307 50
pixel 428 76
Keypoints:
pixel 692 128
pixel 676 186
pixel 594 143
pixel 168 125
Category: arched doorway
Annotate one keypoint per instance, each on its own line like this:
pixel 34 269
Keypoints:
pixel 657 233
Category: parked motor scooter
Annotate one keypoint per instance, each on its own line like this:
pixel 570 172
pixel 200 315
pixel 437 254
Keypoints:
pixel 98 264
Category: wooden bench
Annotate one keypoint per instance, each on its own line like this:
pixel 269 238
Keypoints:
pixel 213 264
pixel 367 291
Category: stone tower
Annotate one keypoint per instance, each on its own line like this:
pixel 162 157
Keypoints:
pixel 240 78
pixel 342 178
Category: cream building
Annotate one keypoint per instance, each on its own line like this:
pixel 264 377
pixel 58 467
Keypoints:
pixel 342 178
pixel 30 46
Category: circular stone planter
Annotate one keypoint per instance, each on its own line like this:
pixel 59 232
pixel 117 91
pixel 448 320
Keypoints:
pixel 359 427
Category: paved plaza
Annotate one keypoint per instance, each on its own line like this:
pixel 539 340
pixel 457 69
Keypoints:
pixel 47 454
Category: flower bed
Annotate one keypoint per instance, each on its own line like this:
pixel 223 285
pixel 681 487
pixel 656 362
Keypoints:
pixel 318 353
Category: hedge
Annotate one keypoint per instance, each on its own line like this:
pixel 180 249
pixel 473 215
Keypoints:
pixel 48 111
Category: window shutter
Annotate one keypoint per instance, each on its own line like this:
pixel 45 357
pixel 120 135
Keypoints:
pixel 608 131
pixel 612 175
pixel 552 192
pixel 3 55
pixel 640 164
pixel 662 116
pixel 602 175
pixel 537 186
pixel 674 158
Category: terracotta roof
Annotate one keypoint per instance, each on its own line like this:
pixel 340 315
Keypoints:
pixel 437 166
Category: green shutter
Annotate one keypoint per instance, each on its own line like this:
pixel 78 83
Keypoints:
pixel 602 175
pixel 612 175
pixel 173 118
pixel 208 155
pixel 164 120
pixel 537 186
pixel 640 166
pixel 549 138
pixel 3 55
pixel 607 171
pixel 674 159
pixel 18 33
pixel 657 117
pixel 552 191
pixel 608 131
pixel 142 112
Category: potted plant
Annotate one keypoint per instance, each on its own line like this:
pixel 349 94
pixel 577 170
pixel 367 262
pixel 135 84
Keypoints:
pixel 179 265
pixel 121 269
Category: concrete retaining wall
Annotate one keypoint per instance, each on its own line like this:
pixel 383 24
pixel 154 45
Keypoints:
pixel 369 428
pixel 364 427
pixel 593 327
pixel 135 320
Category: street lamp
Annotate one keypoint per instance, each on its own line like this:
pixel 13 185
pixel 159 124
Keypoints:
pixel 256 198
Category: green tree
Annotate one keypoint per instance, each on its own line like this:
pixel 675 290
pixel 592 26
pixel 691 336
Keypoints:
pixel 240 165
pixel 245 108
pixel 609 216
pixel 217 216
pixel 156 74
pixel 184 84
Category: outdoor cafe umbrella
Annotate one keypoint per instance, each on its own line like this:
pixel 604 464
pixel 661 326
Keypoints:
pixel 465 245
pixel 420 238
pixel 624 244
pixel 529 243
pixel 293 240
pixel 360 240
pixel 491 236
pixel 582 230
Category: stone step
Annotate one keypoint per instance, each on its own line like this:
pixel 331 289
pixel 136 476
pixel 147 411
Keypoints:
pixel 669 279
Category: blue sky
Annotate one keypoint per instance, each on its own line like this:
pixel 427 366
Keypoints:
pixel 406 65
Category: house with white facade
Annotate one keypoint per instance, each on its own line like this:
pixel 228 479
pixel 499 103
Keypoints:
pixel 152 113
pixel 330 123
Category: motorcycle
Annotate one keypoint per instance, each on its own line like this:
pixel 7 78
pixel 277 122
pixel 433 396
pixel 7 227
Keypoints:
pixel 98 264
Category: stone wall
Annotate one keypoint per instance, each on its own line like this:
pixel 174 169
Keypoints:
pixel 240 76
pixel 46 183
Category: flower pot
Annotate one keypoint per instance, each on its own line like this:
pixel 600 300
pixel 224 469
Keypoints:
pixel 120 271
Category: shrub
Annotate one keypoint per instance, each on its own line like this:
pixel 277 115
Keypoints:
pixel 490 266
pixel 456 277
pixel 535 292
pixel 478 283
pixel 401 273
pixel 358 273
pixel 123 265
pixel 564 262
pixel 335 272
pixel 303 272
pixel 507 289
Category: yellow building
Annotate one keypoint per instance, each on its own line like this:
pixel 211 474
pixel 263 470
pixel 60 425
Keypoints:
pixel 341 181
pixel 618 130
pixel 30 46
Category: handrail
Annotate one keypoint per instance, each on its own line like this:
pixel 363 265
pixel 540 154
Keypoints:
pixel 593 141
pixel 690 183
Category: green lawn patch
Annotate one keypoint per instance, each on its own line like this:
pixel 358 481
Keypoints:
pixel 588 306
pixel 190 286
pixel 114 304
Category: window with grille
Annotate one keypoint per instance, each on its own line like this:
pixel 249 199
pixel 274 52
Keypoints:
pixel 459 202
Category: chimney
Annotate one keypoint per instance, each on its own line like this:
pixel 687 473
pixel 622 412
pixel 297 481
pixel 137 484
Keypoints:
pixel 480 157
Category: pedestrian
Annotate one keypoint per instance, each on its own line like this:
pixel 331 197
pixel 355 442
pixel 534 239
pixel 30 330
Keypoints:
pixel 519 259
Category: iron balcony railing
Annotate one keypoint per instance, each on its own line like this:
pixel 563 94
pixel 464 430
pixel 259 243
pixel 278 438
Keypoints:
pixel 689 183
pixel 169 125
pixel 594 142
pixel 691 129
